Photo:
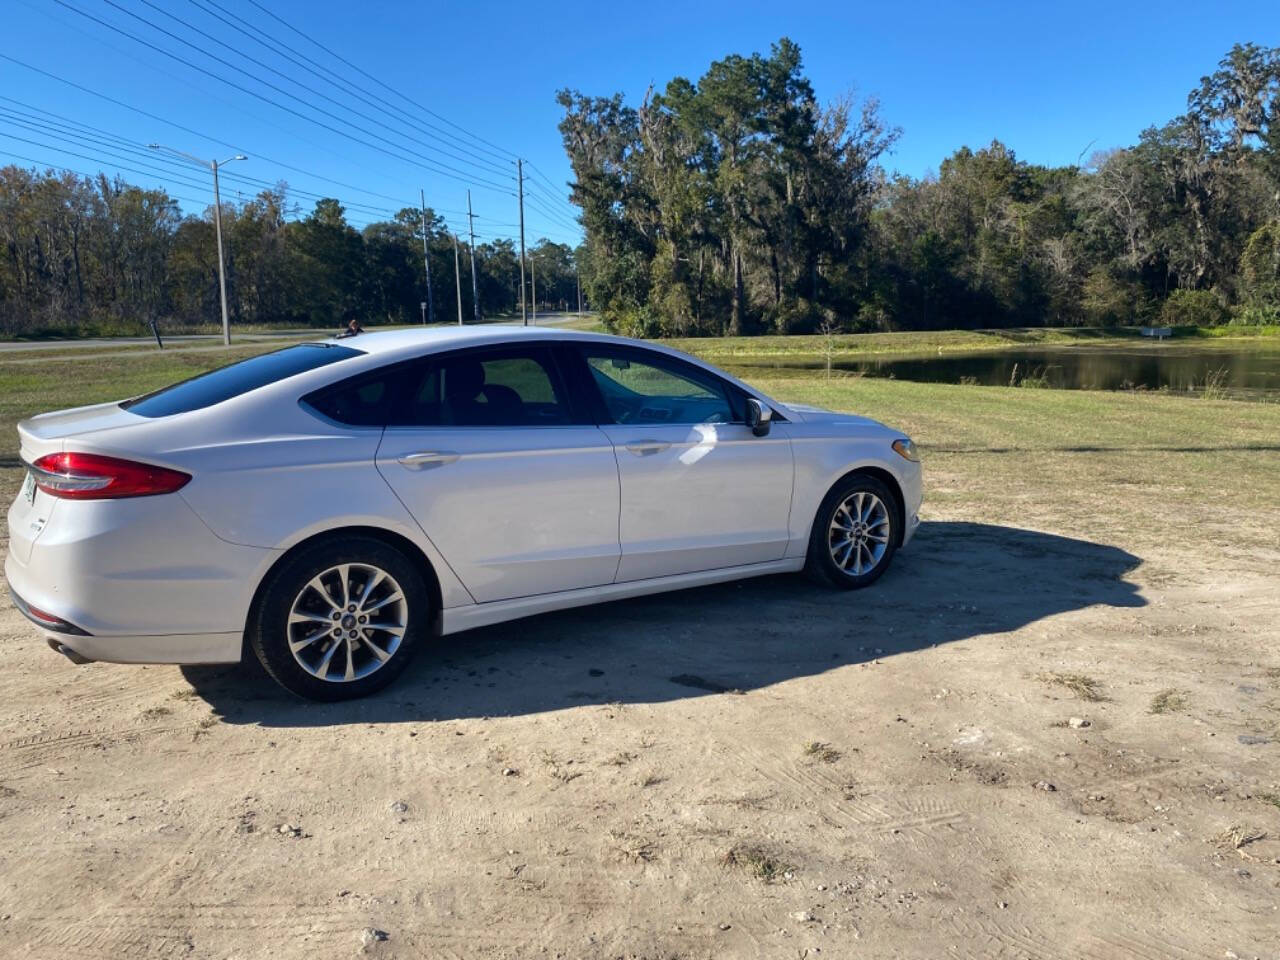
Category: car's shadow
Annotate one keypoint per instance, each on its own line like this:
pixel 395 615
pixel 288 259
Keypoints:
pixel 956 581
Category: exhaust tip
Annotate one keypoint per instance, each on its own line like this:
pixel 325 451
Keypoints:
pixel 76 658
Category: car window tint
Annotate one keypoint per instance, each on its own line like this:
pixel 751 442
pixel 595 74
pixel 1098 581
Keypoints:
pixel 510 388
pixel 363 402
pixel 238 378
pixel 640 392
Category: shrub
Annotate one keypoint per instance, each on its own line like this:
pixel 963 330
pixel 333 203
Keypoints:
pixel 1193 308
pixel 1256 316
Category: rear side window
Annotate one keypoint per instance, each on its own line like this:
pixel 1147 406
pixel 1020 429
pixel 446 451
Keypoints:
pixel 511 387
pixel 238 378
pixel 516 388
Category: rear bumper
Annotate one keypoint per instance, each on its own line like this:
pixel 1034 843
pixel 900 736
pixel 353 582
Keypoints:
pixel 136 581
pixel 119 648
pixel 180 649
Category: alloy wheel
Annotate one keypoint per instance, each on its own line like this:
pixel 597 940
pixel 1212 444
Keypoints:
pixel 347 622
pixel 858 537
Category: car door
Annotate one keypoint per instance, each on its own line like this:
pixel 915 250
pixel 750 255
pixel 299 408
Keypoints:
pixel 513 484
pixel 699 490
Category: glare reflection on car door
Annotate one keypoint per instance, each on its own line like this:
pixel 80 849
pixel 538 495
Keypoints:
pixel 699 490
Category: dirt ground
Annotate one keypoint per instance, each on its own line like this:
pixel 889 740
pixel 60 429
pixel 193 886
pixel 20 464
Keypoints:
pixel 1046 733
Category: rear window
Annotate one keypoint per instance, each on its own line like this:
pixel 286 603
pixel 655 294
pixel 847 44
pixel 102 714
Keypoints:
pixel 238 378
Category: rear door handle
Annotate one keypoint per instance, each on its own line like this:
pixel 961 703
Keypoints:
pixel 645 448
pixel 426 459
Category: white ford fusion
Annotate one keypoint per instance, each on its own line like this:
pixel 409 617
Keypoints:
pixel 336 505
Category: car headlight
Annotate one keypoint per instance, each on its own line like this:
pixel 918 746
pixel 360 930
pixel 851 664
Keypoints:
pixel 906 449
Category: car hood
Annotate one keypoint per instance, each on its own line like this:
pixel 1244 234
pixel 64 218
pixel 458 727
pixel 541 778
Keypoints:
pixel 810 414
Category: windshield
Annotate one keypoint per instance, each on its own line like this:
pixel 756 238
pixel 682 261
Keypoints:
pixel 238 378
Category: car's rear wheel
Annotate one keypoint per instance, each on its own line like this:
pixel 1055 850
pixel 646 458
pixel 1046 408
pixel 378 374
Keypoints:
pixel 854 533
pixel 340 618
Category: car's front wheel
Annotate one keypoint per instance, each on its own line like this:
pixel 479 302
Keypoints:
pixel 854 533
pixel 340 618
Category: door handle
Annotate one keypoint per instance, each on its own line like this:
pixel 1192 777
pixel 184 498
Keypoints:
pixel 645 448
pixel 426 459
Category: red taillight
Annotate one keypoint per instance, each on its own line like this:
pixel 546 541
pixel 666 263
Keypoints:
pixel 88 476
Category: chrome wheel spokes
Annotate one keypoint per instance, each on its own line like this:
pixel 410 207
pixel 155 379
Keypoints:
pixel 347 622
pixel 858 537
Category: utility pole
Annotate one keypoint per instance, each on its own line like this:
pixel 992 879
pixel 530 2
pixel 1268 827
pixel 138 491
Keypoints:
pixel 426 260
pixel 533 280
pixel 524 313
pixel 475 290
pixel 457 277
pixel 222 269
pixel 217 226
pixel 577 279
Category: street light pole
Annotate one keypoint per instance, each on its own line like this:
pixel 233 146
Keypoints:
pixel 217 226
pixel 222 272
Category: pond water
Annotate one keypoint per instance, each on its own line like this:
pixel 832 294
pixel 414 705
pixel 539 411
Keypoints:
pixel 1165 366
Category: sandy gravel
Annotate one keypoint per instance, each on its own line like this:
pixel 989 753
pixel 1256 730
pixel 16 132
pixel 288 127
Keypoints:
pixel 764 769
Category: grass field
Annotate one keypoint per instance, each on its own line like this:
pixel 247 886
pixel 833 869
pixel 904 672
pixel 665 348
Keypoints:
pixel 727 350
pixel 1140 447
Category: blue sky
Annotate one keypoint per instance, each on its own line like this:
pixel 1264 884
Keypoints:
pixel 1051 80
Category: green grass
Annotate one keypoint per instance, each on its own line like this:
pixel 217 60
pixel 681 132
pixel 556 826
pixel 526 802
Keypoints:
pixel 1082 685
pixel 743 349
pixel 1168 701
pixel 1104 464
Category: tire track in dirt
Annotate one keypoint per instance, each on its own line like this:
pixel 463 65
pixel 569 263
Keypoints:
pixel 918 818
pixel 1140 945
pixel 993 939
pixel 26 753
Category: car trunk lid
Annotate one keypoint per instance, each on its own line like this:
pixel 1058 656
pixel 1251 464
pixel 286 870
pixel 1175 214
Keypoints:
pixel 39 436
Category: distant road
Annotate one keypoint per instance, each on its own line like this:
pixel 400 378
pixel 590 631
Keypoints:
pixel 18 346
pixel 212 339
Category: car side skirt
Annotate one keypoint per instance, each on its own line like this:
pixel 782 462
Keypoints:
pixel 455 619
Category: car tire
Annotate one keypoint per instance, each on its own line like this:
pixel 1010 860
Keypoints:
pixel 340 618
pixel 849 552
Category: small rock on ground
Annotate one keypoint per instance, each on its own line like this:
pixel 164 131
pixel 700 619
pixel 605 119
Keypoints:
pixel 371 935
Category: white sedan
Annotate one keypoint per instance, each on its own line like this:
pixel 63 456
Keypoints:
pixel 336 505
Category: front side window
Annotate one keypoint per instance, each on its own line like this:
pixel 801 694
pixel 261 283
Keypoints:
pixel 641 390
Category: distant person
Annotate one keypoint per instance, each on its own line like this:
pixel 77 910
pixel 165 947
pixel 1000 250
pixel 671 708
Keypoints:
pixel 352 329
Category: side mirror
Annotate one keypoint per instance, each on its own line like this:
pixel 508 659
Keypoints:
pixel 759 417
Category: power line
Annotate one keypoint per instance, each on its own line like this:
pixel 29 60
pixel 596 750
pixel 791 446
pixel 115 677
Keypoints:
pixel 329 76
pixel 502 151
pixel 279 73
pixel 554 189
pixel 431 165
pixel 129 54
pixel 80 173
pixel 109 141
pixel 540 204
pixel 461 174
pixel 197 133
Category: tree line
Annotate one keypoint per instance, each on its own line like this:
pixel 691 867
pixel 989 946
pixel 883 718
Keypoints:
pixel 83 253
pixel 736 204
pixel 739 204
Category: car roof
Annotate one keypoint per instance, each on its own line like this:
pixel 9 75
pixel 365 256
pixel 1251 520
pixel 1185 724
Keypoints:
pixel 415 341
